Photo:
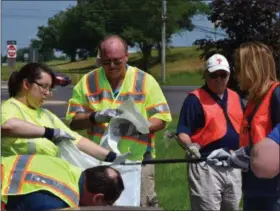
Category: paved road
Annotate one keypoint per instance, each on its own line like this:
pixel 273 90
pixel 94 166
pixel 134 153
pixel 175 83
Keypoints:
pixel 175 96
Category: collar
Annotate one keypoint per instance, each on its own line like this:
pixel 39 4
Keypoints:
pixel 214 95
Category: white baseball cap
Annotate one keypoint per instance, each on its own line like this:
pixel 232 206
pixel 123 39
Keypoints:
pixel 217 62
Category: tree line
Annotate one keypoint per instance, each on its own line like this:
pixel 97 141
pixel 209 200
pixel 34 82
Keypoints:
pixel 80 28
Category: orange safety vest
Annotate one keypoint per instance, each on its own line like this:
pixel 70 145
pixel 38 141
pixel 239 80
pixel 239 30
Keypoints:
pixel 259 117
pixel 215 126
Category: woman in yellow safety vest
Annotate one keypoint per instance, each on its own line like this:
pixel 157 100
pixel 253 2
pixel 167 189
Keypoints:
pixel 27 128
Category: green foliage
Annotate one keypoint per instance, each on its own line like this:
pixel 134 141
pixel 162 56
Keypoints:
pixel 243 21
pixel 20 54
pixel 138 22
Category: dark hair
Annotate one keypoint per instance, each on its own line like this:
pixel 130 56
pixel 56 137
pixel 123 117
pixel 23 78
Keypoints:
pixel 31 72
pixel 98 180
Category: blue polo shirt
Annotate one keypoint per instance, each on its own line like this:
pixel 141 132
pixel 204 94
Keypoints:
pixel 192 118
pixel 275 134
pixel 251 185
pixel 40 200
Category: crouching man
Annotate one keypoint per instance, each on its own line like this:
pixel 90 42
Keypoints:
pixel 39 182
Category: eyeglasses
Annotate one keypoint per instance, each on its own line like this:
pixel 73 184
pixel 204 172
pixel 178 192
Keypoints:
pixel 43 87
pixel 217 75
pixel 110 62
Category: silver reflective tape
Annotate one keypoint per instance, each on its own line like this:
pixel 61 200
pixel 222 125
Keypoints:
pixel 158 109
pixel 18 173
pixel 91 82
pixel 56 185
pixel 136 97
pixel 100 96
pixel 77 109
pixel 139 81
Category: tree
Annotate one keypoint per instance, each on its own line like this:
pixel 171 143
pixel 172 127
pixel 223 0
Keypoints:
pixel 139 22
pixel 243 21
pixel 76 28
pixel 20 54
pixel 46 53
pixel 3 59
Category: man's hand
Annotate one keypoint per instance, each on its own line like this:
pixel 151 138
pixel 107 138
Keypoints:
pixel 236 159
pixel 219 158
pixel 56 135
pixel 104 116
pixel 192 151
pixel 239 159
pixel 121 158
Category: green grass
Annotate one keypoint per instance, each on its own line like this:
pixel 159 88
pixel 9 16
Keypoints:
pixel 183 66
pixel 182 79
pixel 171 179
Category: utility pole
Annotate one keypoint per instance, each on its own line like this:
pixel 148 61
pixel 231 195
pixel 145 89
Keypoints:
pixel 163 41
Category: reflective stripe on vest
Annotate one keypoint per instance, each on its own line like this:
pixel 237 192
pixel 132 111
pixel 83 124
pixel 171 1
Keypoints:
pixel 76 108
pixel 96 95
pixel 35 178
pixel 31 143
pixel 155 109
pixel 215 126
pixel 261 124
pixel 19 175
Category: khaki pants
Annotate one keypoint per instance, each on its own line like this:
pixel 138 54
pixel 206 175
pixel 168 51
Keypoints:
pixel 214 188
pixel 148 194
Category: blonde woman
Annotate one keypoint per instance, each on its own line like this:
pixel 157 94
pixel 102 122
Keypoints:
pixel 256 71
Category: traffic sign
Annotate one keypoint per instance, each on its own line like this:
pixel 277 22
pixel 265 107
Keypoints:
pixel 11 51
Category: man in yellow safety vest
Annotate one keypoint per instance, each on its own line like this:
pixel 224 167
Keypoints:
pixel 41 182
pixel 97 95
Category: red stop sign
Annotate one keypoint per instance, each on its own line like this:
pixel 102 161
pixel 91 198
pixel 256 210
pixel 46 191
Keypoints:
pixel 12 51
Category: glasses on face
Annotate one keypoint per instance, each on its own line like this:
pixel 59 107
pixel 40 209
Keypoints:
pixel 217 75
pixel 44 87
pixel 110 62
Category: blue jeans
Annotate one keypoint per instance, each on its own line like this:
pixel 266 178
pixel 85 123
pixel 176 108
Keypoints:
pixel 40 200
pixel 261 203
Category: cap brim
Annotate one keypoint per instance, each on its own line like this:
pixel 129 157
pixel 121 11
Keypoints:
pixel 218 67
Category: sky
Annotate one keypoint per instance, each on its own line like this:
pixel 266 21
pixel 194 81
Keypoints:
pixel 21 19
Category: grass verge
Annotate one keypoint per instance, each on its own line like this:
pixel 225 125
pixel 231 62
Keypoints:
pixel 171 179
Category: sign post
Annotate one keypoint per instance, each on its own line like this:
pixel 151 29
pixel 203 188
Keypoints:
pixel 11 53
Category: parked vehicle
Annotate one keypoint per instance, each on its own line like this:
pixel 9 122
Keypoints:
pixel 62 79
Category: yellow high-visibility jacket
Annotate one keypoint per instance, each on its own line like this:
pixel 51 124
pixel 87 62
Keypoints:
pixel 94 93
pixel 23 174
pixel 13 108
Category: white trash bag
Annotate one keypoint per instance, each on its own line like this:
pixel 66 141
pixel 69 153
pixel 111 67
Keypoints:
pixel 68 151
pixel 131 174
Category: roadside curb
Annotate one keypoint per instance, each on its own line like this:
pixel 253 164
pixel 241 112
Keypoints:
pixel 179 88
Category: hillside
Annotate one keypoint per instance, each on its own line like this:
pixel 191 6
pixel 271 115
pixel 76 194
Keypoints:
pixel 182 66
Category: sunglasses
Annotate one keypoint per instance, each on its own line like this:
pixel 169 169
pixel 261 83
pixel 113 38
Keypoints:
pixel 217 75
